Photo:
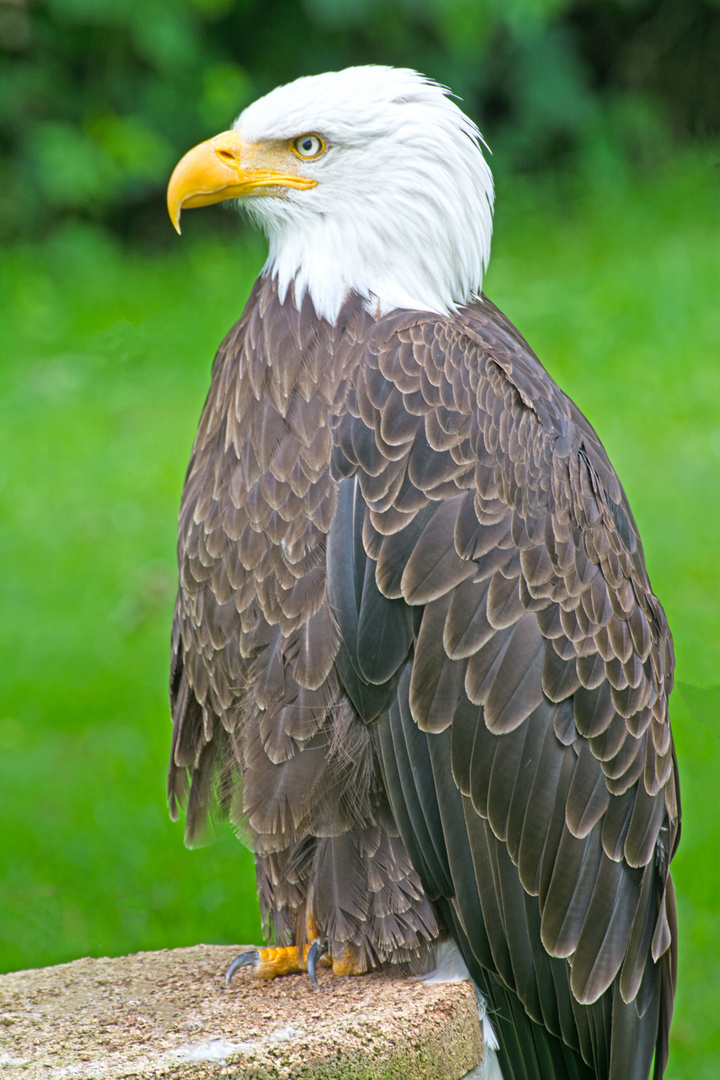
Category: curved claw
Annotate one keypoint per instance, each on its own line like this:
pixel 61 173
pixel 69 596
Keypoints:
pixel 245 959
pixel 316 950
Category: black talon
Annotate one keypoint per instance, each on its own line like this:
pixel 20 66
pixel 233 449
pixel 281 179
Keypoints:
pixel 245 959
pixel 316 950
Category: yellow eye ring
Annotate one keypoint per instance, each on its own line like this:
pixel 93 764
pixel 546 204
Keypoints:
pixel 308 146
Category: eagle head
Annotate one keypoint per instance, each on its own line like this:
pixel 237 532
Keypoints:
pixel 369 180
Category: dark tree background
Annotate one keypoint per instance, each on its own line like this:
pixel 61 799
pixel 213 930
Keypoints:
pixel 99 97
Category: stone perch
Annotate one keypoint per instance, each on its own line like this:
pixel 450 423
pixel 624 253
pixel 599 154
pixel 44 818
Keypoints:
pixel 169 1015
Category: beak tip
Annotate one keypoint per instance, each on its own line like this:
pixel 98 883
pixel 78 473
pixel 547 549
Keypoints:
pixel 174 211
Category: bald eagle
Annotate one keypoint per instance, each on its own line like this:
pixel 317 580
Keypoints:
pixel 416 656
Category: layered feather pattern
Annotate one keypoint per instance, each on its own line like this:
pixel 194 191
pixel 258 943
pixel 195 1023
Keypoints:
pixel 417 652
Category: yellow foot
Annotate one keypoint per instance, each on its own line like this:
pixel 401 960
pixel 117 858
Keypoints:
pixel 348 962
pixel 271 963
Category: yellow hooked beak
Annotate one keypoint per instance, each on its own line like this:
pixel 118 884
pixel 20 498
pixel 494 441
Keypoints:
pixel 225 167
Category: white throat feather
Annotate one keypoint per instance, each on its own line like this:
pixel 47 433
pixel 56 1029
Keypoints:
pixel 402 210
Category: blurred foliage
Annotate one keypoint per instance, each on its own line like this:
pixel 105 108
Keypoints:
pixel 98 98
pixel 106 356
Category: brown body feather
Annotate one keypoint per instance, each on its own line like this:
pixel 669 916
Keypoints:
pixel 417 655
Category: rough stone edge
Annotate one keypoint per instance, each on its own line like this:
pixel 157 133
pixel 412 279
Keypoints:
pixel 442 1051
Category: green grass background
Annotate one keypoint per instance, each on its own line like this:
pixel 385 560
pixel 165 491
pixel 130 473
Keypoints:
pixel 105 363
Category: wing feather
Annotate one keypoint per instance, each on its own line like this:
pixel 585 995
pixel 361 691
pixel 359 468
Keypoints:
pixel 539 653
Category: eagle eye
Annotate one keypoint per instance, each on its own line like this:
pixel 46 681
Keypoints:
pixel 308 146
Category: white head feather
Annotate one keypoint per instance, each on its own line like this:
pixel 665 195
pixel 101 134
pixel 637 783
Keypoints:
pixel 402 210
